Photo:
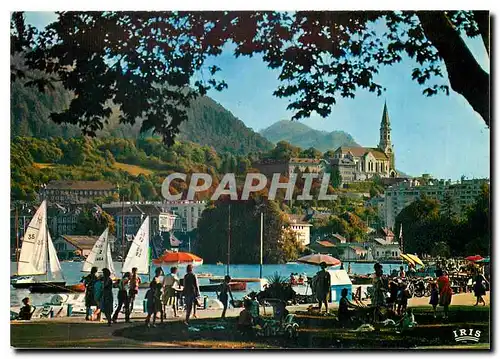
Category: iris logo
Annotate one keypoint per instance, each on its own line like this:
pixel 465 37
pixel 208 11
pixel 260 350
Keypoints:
pixel 466 335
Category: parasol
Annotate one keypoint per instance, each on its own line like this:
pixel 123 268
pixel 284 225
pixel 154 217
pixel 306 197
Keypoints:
pixel 415 259
pixel 475 258
pixel 484 260
pixel 407 258
pixel 173 258
pixel 316 259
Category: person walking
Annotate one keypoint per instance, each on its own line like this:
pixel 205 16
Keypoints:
pixel 133 286
pixel 107 295
pixel 434 301
pixel 191 291
pixel 170 283
pixel 158 280
pixel 479 287
pixel 322 284
pixel 89 282
pixel 152 306
pixel 445 291
pixel 378 293
pixel 123 298
pixel 225 292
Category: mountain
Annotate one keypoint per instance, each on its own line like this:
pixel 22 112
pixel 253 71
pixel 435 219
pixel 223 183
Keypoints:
pixel 304 136
pixel 209 123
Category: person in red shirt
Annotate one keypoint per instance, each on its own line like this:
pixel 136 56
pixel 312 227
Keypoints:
pixel 445 291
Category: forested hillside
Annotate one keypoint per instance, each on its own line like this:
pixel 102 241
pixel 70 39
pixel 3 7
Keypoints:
pixel 209 123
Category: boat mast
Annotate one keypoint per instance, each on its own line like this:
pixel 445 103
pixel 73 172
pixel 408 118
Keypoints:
pixel 17 235
pixel 261 240
pixel 123 233
pixel 229 239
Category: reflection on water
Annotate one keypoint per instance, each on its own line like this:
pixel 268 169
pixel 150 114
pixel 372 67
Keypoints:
pixel 73 275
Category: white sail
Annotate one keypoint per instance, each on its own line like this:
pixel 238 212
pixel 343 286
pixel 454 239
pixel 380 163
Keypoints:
pixel 138 254
pixel 33 257
pixel 110 266
pixel 98 257
pixel 55 266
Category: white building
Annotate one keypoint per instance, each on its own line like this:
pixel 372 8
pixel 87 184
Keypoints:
pixel 397 197
pixel 301 227
pixel 188 213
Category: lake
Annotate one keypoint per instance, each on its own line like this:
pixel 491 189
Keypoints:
pixel 72 274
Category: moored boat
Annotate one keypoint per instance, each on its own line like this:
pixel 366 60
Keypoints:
pixel 234 280
pixel 235 287
pixel 38 255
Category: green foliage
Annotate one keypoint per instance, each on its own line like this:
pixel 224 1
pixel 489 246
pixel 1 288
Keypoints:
pixel 92 223
pixel 335 178
pixel 425 225
pixel 245 233
pixel 320 56
pixel 283 151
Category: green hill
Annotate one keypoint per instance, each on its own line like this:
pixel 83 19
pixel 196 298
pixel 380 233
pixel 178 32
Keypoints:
pixel 209 123
pixel 304 136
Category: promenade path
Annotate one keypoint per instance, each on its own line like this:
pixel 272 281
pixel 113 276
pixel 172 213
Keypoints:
pixel 71 332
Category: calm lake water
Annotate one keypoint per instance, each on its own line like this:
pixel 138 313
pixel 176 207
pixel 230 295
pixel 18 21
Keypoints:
pixel 72 274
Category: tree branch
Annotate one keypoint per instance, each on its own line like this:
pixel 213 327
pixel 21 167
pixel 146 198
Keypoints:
pixel 466 76
pixel 482 18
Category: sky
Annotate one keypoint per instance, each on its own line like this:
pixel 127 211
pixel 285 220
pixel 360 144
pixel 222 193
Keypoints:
pixel 440 135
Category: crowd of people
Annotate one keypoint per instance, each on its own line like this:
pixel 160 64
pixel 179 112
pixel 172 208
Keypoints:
pixel 164 291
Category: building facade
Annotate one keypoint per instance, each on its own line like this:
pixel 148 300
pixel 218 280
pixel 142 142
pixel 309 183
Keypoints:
pixel 76 192
pixel 461 194
pixel 129 216
pixel 363 163
pixel 187 214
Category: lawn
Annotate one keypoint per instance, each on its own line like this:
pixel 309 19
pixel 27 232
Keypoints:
pixel 132 169
pixel 43 165
pixel 314 332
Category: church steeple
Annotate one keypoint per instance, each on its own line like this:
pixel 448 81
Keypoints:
pixel 385 131
pixel 385 137
pixel 385 116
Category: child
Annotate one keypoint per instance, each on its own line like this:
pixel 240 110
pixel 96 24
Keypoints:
pixel 343 314
pixel 245 320
pixel 26 311
pixel 151 300
pixel 403 296
pixel 434 301
pixel 408 321
pixel 225 292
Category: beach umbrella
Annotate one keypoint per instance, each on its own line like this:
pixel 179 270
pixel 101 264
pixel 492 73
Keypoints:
pixel 316 259
pixel 407 258
pixel 415 259
pixel 475 258
pixel 484 260
pixel 175 258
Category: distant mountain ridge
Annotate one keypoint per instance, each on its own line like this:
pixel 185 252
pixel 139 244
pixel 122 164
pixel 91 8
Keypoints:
pixel 208 123
pixel 299 134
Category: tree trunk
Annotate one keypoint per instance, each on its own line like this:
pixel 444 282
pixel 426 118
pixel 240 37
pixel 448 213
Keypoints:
pixel 466 76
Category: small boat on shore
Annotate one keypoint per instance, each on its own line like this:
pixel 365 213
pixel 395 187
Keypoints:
pixel 204 275
pixel 238 280
pixel 235 287
pixel 54 288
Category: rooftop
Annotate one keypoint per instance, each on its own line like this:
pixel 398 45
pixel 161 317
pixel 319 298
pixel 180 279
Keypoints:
pixel 81 185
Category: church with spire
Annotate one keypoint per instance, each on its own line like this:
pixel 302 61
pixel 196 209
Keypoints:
pixel 362 163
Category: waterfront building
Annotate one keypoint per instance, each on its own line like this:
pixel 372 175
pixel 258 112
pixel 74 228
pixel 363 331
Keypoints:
pixel 76 192
pixel 459 194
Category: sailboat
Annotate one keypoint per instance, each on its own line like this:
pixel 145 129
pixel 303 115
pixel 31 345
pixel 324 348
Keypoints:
pixel 138 253
pixel 38 257
pixel 100 256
